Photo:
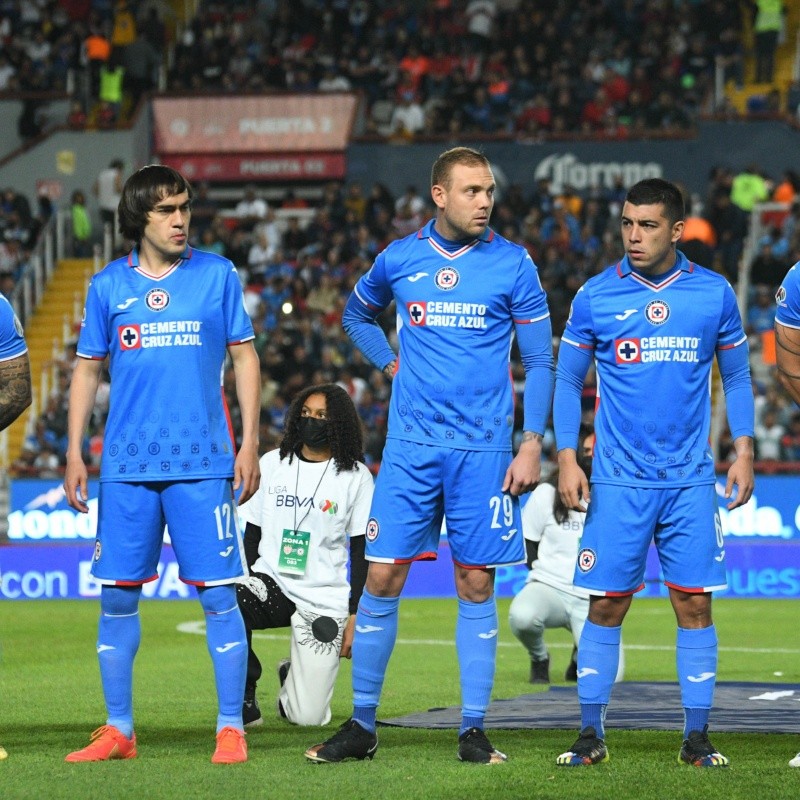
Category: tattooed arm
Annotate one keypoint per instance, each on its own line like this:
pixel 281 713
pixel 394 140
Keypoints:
pixel 15 388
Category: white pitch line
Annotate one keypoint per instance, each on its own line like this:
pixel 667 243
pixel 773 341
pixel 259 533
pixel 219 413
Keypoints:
pixel 199 627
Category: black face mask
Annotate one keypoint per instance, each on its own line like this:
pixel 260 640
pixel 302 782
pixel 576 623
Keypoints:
pixel 313 432
pixel 585 463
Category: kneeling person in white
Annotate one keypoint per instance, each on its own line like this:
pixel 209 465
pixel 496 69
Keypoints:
pixel 549 599
pixel 315 493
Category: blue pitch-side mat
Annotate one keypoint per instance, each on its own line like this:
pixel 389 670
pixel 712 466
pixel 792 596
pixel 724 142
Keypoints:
pixel 738 707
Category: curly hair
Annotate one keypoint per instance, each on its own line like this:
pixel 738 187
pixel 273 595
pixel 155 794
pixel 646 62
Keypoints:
pixel 343 425
pixel 142 193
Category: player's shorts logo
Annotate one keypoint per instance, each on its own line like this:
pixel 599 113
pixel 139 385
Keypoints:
pixel 416 313
pixel 373 529
pixel 98 549
pixel 657 312
pixel 627 351
pixel 447 278
pixel 157 299
pixel 586 559
pixel 129 337
pixel 780 295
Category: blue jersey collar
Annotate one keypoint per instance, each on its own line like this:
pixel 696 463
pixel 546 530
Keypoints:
pixel 133 256
pixel 682 264
pixel 427 232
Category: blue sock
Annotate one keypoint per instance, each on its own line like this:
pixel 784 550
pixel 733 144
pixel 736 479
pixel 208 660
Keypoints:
pixel 376 631
pixel 227 642
pixel 118 636
pixel 598 659
pixel 696 657
pixel 476 646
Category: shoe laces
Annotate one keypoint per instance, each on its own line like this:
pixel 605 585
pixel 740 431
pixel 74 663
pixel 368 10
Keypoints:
pixel 105 731
pixel 346 730
pixel 229 739
pixel 477 737
pixel 700 743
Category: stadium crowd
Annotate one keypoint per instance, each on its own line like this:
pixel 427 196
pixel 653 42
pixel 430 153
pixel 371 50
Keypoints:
pixel 297 279
pixel 479 66
pixel 493 67
pixel 448 67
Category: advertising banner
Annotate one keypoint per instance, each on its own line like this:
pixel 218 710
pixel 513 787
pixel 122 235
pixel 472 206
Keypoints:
pixel 253 124
pixel 261 167
pixel 49 549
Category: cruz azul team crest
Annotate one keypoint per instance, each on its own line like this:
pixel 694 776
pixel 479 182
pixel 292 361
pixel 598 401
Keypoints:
pixel 657 312
pixel 447 278
pixel 157 299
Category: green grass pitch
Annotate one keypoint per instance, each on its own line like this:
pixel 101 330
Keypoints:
pixel 50 700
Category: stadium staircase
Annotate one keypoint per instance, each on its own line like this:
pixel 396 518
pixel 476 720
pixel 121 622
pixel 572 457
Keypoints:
pixel 784 61
pixel 51 326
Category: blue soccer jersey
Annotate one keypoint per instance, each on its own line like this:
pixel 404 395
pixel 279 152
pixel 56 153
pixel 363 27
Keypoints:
pixel 788 299
pixel 653 343
pixel 166 339
pixel 12 344
pixel 456 311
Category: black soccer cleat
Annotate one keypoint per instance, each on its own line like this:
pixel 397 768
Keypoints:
pixel 698 751
pixel 351 741
pixel 540 671
pixel 474 747
pixel 572 670
pixel 251 713
pixel 283 672
pixel 588 749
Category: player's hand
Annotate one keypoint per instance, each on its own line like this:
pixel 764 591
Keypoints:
pixel 525 470
pixel 76 484
pixel 390 370
pixel 246 472
pixel 740 474
pixel 573 486
pixel 347 638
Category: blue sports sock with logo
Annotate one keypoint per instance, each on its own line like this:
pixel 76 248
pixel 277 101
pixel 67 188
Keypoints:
pixel 375 635
pixel 476 646
pixel 696 657
pixel 118 637
pixel 598 659
pixel 227 643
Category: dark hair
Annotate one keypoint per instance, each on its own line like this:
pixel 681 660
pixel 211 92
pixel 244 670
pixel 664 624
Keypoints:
pixel 655 191
pixel 343 424
pixel 440 172
pixel 142 192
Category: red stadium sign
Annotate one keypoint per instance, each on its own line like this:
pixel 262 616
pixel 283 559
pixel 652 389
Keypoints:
pixel 257 124
pixel 259 167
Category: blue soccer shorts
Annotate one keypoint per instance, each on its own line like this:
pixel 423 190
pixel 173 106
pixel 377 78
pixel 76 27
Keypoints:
pixel 203 526
pixel 621 521
pixel 418 485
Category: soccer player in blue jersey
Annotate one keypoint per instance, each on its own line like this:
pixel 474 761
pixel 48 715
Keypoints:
pixel 15 377
pixel 787 348
pixel 165 316
pixel 461 293
pixel 653 324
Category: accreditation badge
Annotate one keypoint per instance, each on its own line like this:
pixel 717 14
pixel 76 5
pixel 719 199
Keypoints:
pixel 294 552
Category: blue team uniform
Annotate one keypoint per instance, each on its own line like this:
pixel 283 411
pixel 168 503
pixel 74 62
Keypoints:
pixel 12 343
pixel 653 343
pixel 451 413
pixel 166 340
pixel 788 299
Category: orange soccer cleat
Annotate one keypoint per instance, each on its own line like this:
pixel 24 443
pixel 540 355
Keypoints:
pixel 107 742
pixel 231 747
